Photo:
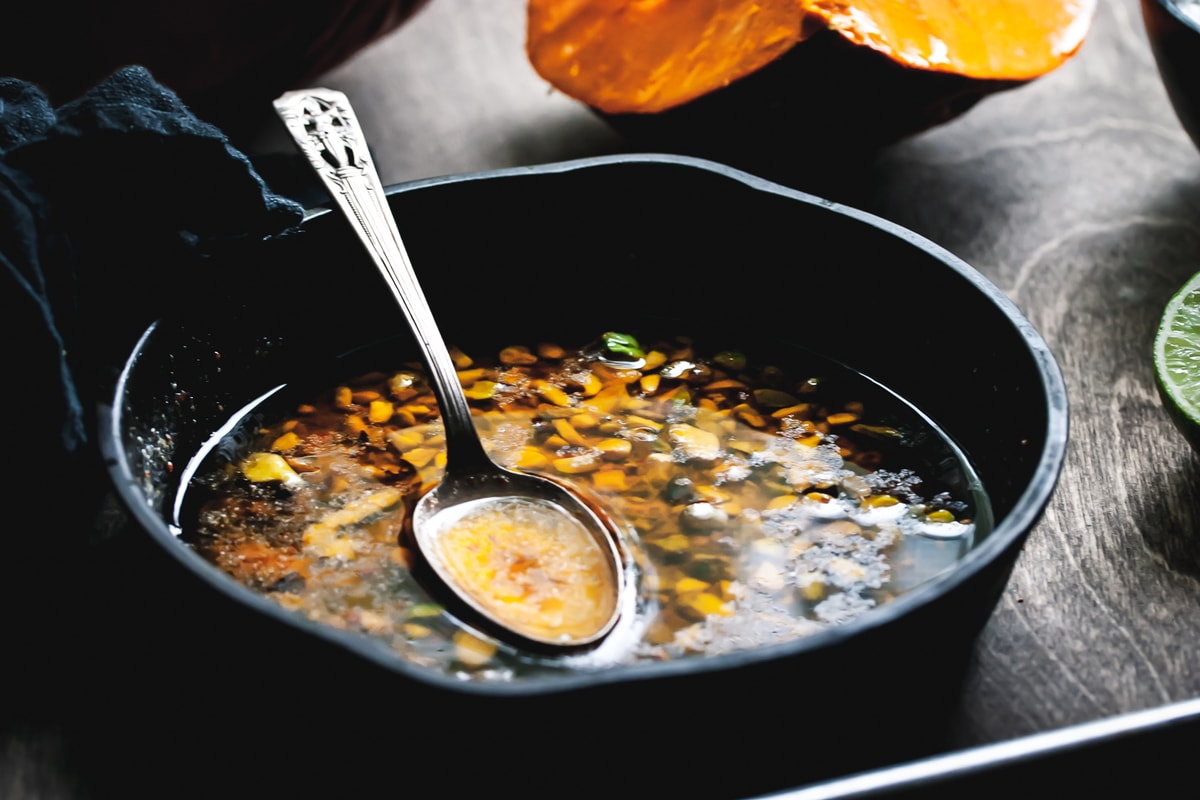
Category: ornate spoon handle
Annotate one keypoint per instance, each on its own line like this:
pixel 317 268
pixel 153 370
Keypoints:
pixel 325 128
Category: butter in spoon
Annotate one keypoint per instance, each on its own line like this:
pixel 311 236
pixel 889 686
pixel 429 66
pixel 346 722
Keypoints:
pixel 527 557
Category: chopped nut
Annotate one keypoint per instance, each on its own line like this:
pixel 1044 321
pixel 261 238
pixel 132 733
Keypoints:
pixel 262 467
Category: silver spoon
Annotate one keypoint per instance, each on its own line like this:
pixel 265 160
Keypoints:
pixel 475 496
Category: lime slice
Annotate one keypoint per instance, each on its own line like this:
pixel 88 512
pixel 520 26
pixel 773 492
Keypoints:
pixel 1177 359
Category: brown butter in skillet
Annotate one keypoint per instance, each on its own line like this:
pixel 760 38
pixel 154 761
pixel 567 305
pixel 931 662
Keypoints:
pixel 756 504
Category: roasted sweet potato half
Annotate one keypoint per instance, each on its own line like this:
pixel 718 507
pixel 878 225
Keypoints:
pixel 798 72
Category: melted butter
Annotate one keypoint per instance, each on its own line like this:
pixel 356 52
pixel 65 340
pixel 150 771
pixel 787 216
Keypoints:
pixel 529 565
pixel 823 497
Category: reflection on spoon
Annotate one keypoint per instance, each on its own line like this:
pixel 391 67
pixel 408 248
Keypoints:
pixel 528 562
pixel 535 563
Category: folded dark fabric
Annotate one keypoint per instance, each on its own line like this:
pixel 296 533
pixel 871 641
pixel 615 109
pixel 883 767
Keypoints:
pixel 111 207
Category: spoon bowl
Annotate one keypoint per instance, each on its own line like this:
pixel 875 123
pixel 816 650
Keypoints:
pixel 521 556
pixel 567 602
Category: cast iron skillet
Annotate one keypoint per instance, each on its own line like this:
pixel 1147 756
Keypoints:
pixel 1175 42
pixel 599 244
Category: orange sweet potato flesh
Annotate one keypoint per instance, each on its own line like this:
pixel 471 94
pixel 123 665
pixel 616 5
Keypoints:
pixel 646 56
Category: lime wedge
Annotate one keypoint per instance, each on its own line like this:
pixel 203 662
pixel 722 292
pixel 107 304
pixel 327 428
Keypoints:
pixel 1177 359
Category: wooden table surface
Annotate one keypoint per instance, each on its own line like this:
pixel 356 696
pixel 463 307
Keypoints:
pixel 1078 195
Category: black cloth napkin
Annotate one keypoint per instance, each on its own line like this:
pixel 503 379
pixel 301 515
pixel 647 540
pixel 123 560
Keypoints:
pixel 111 207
